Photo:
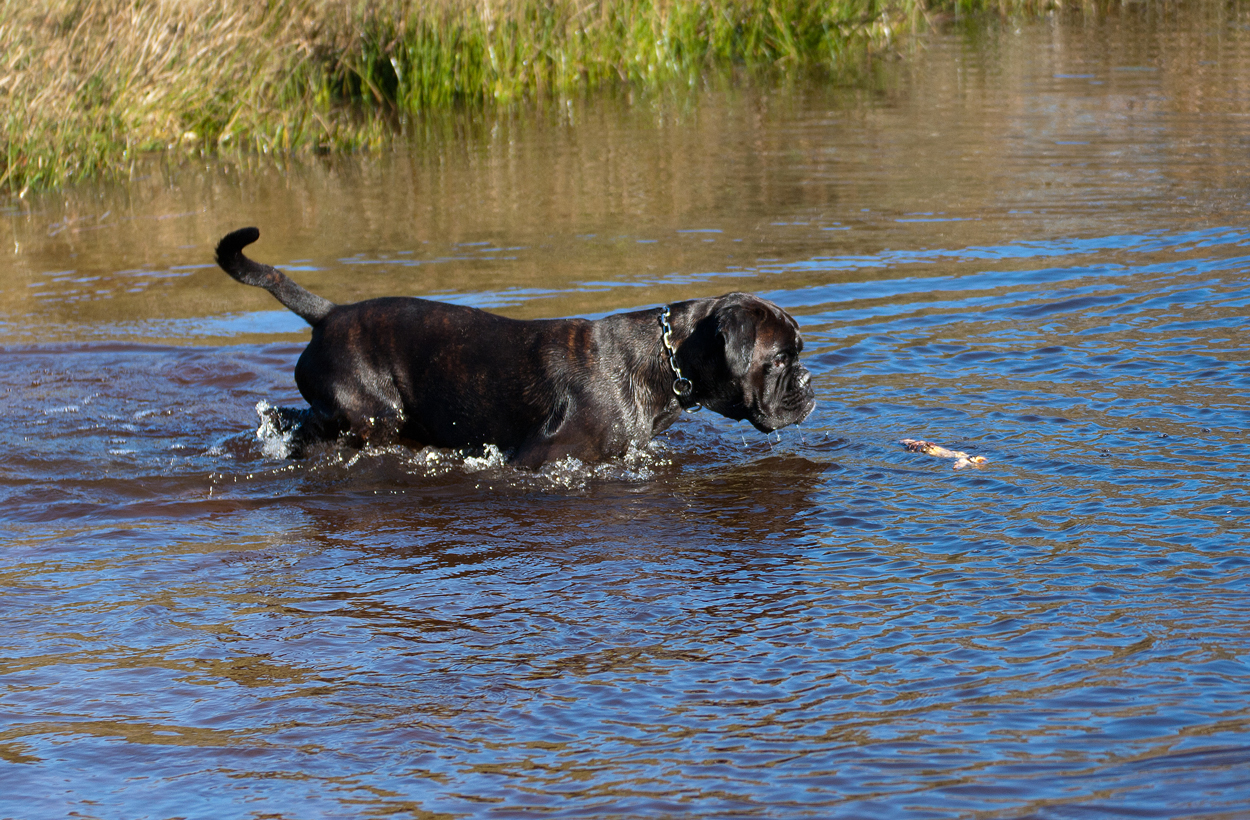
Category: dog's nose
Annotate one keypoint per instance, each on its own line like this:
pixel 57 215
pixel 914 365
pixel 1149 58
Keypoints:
pixel 804 377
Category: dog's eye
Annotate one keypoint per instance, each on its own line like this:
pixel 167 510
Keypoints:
pixel 781 360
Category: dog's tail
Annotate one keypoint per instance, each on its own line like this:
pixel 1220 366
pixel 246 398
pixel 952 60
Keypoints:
pixel 308 306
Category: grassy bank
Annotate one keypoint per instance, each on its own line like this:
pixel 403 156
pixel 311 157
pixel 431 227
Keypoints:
pixel 86 85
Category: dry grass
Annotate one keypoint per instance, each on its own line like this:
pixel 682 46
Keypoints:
pixel 86 85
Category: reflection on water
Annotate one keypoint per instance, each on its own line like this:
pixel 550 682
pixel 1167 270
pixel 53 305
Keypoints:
pixel 1028 242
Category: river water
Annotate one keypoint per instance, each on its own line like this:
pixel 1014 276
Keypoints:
pixel 1026 240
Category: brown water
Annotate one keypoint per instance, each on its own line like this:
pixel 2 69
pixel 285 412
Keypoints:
pixel 1027 241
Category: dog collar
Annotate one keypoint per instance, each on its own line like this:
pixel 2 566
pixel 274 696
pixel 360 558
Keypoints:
pixel 683 388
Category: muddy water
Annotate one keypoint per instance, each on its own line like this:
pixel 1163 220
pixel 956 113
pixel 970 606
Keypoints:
pixel 1027 241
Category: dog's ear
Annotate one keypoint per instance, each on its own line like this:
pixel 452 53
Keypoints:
pixel 736 324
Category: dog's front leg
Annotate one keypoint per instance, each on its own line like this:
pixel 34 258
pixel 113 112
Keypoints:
pixel 539 450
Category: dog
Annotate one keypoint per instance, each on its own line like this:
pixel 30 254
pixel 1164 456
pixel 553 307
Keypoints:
pixel 420 372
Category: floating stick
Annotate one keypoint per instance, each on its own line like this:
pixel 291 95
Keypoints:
pixel 931 449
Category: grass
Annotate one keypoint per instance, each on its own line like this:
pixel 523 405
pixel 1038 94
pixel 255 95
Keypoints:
pixel 88 85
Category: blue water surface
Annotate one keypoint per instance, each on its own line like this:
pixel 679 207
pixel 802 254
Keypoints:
pixel 816 623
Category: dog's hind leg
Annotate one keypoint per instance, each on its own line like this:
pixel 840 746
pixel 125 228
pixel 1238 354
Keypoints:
pixel 366 413
pixel 379 427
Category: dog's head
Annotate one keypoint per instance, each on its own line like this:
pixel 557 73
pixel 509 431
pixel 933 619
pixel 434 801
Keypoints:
pixel 743 357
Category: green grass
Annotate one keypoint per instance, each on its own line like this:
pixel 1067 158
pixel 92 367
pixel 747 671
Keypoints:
pixel 88 85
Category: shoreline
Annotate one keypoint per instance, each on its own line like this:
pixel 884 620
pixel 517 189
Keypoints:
pixel 86 87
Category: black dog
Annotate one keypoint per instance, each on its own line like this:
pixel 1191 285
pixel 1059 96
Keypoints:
pixel 430 373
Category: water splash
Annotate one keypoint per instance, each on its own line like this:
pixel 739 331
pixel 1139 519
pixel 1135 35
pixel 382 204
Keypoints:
pixel 275 435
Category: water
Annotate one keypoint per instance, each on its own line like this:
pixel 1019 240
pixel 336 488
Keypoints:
pixel 1027 241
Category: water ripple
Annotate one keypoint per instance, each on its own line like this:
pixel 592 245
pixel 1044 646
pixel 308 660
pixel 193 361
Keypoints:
pixel 816 623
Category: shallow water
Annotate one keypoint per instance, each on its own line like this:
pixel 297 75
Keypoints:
pixel 1027 241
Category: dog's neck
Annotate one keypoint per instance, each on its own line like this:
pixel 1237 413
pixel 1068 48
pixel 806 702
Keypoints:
pixel 683 388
